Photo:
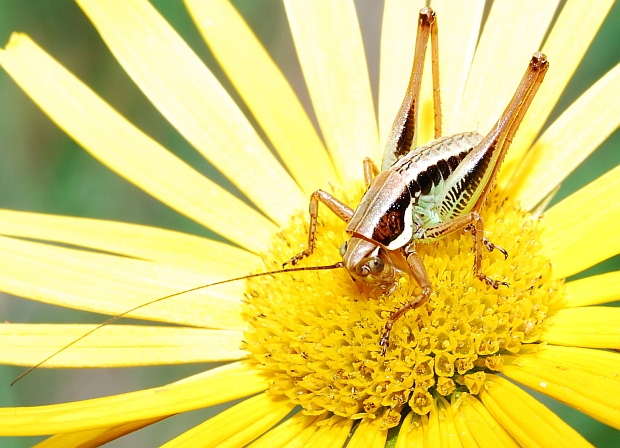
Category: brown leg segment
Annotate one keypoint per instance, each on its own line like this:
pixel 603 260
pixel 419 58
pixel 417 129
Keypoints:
pixel 418 271
pixel 475 221
pixel 403 133
pixel 435 71
pixel 340 209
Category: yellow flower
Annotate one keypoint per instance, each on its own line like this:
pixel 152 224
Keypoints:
pixel 311 338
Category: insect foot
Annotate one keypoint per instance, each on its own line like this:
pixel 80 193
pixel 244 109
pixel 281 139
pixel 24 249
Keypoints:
pixel 300 256
pixel 420 300
pixel 490 247
pixel 492 283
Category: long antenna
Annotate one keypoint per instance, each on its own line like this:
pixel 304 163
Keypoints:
pixel 338 265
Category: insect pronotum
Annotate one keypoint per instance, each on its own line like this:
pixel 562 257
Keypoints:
pixel 420 194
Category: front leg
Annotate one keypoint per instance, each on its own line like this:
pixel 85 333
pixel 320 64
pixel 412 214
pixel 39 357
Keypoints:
pixel 340 209
pixel 418 272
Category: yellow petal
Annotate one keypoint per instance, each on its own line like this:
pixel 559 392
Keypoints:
pixel 441 428
pixel 465 435
pixel 110 284
pixel 459 28
pixel 116 345
pixel 511 34
pixel 480 423
pixel 598 362
pixel 149 243
pixel 398 32
pixel 215 386
pixel 95 437
pixel 525 418
pixel 413 432
pixel 590 326
pixel 334 433
pixel 571 236
pixel 265 90
pixel 289 432
pixel 568 41
pixel 368 434
pixel 236 426
pixel 120 146
pixel 331 53
pixel 591 393
pixel 560 149
pixel 190 97
pixel 593 290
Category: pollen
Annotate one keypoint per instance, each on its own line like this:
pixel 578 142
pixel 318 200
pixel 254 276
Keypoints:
pixel 316 333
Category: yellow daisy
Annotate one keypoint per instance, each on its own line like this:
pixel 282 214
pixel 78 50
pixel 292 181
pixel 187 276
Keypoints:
pixel 306 343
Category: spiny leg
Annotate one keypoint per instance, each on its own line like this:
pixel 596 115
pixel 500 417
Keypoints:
pixel 498 140
pixel 435 72
pixel 340 209
pixel 474 221
pixel 418 271
pixel 487 157
pixel 404 130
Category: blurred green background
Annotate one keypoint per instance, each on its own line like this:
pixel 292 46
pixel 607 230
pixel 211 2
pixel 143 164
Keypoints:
pixel 42 170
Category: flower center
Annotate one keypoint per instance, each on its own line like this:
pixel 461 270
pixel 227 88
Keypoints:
pixel 318 334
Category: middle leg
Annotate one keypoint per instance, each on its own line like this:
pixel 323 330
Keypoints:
pixel 476 223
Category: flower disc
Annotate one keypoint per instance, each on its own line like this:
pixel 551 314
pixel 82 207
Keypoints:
pixel 318 333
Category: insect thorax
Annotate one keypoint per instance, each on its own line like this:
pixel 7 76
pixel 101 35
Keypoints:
pixel 434 174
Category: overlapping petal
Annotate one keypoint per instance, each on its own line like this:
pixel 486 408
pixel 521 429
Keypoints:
pixel 299 428
pixel 116 345
pixel 368 434
pixel 111 284
pixel 334 432
pixel 459 29
pixel 471 417
pixel 215 259
pixel 525 418
pixel 236 426
pixel 588 326
pixel 331 52
pixel 215 386
pixel 193 101
pixel 560 150
pixel 589 383
pixel 266 92
pixel 565 46
pixel 119 145
pixel 572 229
pixel 95 437
pixel 593 290
pixel 512 33
pixel 435 429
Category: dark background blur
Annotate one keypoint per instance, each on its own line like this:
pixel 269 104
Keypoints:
pixel 43 170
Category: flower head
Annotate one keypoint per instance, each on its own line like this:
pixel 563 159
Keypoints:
pixel 311 338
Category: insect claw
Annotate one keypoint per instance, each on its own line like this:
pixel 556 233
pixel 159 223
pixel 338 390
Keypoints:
pixel 492 283
pixel 384 342
pixel 293 261
pixel 490 247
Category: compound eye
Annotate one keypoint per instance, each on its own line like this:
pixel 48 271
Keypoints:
pixel 376 265
pixel 343 249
